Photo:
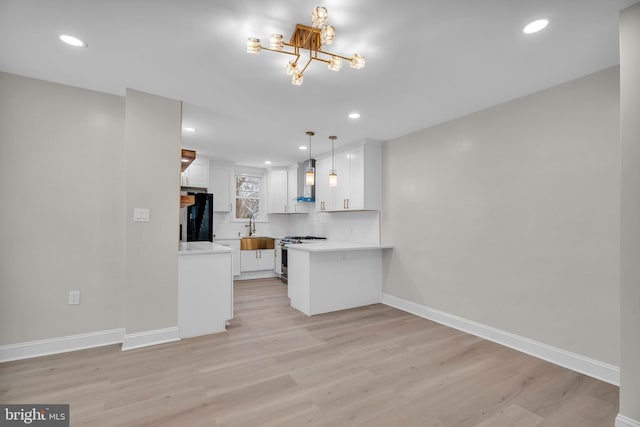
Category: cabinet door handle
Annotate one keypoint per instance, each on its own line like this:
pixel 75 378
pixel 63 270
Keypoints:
pixel 348 207
pixel 344 203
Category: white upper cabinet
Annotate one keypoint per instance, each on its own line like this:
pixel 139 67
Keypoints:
pixel 278 191
pixel 325 195
pixel 220 186
pixel 197 174
pixel 292 189
pixel 283 192
pixel 359 179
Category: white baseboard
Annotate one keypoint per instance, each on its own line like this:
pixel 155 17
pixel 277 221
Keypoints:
pixel 622 421
pixel 60 345
pixel 584 365
pixel 250 275
pixel 147 338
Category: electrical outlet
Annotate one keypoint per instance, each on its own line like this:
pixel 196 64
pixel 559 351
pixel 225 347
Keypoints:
pixel 74 297
pixel 140 215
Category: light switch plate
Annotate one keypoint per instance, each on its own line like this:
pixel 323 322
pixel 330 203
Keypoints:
pixel 140 215
pixel 74 297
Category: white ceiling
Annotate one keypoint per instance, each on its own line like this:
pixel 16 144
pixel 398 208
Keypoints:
pixel 428 61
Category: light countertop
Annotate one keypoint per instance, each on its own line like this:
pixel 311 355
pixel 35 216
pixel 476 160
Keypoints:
pixel 242 237
pixel 194 248
pixel 337 246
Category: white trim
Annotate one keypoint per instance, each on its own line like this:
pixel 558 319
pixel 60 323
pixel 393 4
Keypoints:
pixel 252 275
pixel 49 346
pixel 147 338
pixel 593 368
pixel 622 421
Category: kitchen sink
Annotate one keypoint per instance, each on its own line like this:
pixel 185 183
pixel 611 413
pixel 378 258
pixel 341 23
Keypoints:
pixel 256 243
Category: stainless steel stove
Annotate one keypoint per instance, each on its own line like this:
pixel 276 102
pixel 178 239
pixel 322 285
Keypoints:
pixel 301 239
pixel 294 240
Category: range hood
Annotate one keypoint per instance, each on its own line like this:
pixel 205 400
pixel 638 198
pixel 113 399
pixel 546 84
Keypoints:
pixel 306 193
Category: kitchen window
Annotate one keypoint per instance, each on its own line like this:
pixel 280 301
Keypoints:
pixel 248 195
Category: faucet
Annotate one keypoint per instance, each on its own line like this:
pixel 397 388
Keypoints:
pixel 252 225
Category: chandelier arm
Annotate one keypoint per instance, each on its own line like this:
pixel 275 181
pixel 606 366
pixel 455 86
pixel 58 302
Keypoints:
pixel 334 54
pixel 306 65
pixel 279 51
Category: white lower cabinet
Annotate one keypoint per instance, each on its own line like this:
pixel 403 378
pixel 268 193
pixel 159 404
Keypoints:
pixel 277 267
pixel 257 260
pixel 235 245
pixel 205 293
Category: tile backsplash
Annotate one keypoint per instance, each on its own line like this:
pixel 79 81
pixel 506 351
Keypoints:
pixel 355 226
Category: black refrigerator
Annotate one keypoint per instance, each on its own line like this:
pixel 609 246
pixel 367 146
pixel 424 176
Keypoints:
pixel 200 218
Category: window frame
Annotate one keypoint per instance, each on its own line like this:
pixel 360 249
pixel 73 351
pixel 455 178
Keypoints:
pixel 240 172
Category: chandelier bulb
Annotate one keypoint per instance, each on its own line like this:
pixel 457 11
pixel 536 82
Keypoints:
pixel 276 42
pixel 296 78
pixel 319 17
pixel 357 61
pixel 292 67
pixel 335 63
pixel 253 45
pixel 327 34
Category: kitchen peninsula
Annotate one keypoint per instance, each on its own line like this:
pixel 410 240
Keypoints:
pixel 205 288
pixel 332 276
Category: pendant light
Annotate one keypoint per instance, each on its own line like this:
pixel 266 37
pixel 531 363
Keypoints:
pixel 333 176
pixel 309 174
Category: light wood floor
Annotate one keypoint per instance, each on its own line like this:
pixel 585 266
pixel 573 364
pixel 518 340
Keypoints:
pixel 372 366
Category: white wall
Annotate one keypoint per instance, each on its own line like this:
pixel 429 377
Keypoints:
pixel 152 152
pixel 630 227
pixel 509 217
pixel 61 210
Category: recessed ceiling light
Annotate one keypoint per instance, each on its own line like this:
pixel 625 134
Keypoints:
pixel 73 41
pixel 354 115
pixel 302 147
pixel 267 162
pixel 187 129
pixel 536 26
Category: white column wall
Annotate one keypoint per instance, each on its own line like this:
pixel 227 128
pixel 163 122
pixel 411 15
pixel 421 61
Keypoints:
pixel 152 153
pixel 630 226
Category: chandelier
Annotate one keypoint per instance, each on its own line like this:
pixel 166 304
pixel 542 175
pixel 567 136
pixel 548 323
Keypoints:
pixel 310 39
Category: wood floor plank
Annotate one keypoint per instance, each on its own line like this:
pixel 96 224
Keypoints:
pixel 370 366
pixel 512 415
